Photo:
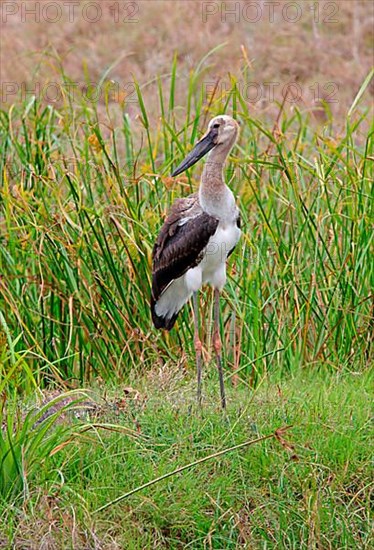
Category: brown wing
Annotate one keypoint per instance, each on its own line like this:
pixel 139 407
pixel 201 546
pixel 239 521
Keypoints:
pixel 180 244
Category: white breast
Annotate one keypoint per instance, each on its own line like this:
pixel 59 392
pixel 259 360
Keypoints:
pixel 219 246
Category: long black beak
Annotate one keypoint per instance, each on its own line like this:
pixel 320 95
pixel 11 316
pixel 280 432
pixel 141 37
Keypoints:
pixel 201 148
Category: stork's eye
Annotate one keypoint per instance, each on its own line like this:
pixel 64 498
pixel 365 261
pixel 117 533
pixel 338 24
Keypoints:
pixel 216 125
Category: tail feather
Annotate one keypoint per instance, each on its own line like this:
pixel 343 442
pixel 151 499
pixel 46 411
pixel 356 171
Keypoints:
pixel 166 323
pixel 169 303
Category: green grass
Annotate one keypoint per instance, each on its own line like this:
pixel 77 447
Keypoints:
pixel 84 189
pixel 311 489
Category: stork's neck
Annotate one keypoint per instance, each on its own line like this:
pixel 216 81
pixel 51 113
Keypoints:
pixel 214 195
pixel 212 176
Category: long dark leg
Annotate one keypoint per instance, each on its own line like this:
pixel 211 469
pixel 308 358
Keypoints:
pixel 217 344
pixel 197 344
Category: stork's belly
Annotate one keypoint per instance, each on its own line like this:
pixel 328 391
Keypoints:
pixel 219 246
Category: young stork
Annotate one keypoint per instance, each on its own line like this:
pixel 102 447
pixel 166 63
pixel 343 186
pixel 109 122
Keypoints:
pixel 198 235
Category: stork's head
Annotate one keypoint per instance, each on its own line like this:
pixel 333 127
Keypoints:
pixel 221 134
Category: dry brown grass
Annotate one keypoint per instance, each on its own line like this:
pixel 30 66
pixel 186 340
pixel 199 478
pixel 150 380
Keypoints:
pixel 306 52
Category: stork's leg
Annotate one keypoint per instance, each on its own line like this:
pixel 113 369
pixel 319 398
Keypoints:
pixel 217 344
pixel 197 344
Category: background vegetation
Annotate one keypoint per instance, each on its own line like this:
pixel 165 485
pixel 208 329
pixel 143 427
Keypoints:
pixel 96 403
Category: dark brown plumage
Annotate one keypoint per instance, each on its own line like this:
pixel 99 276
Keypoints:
pixel 179 247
